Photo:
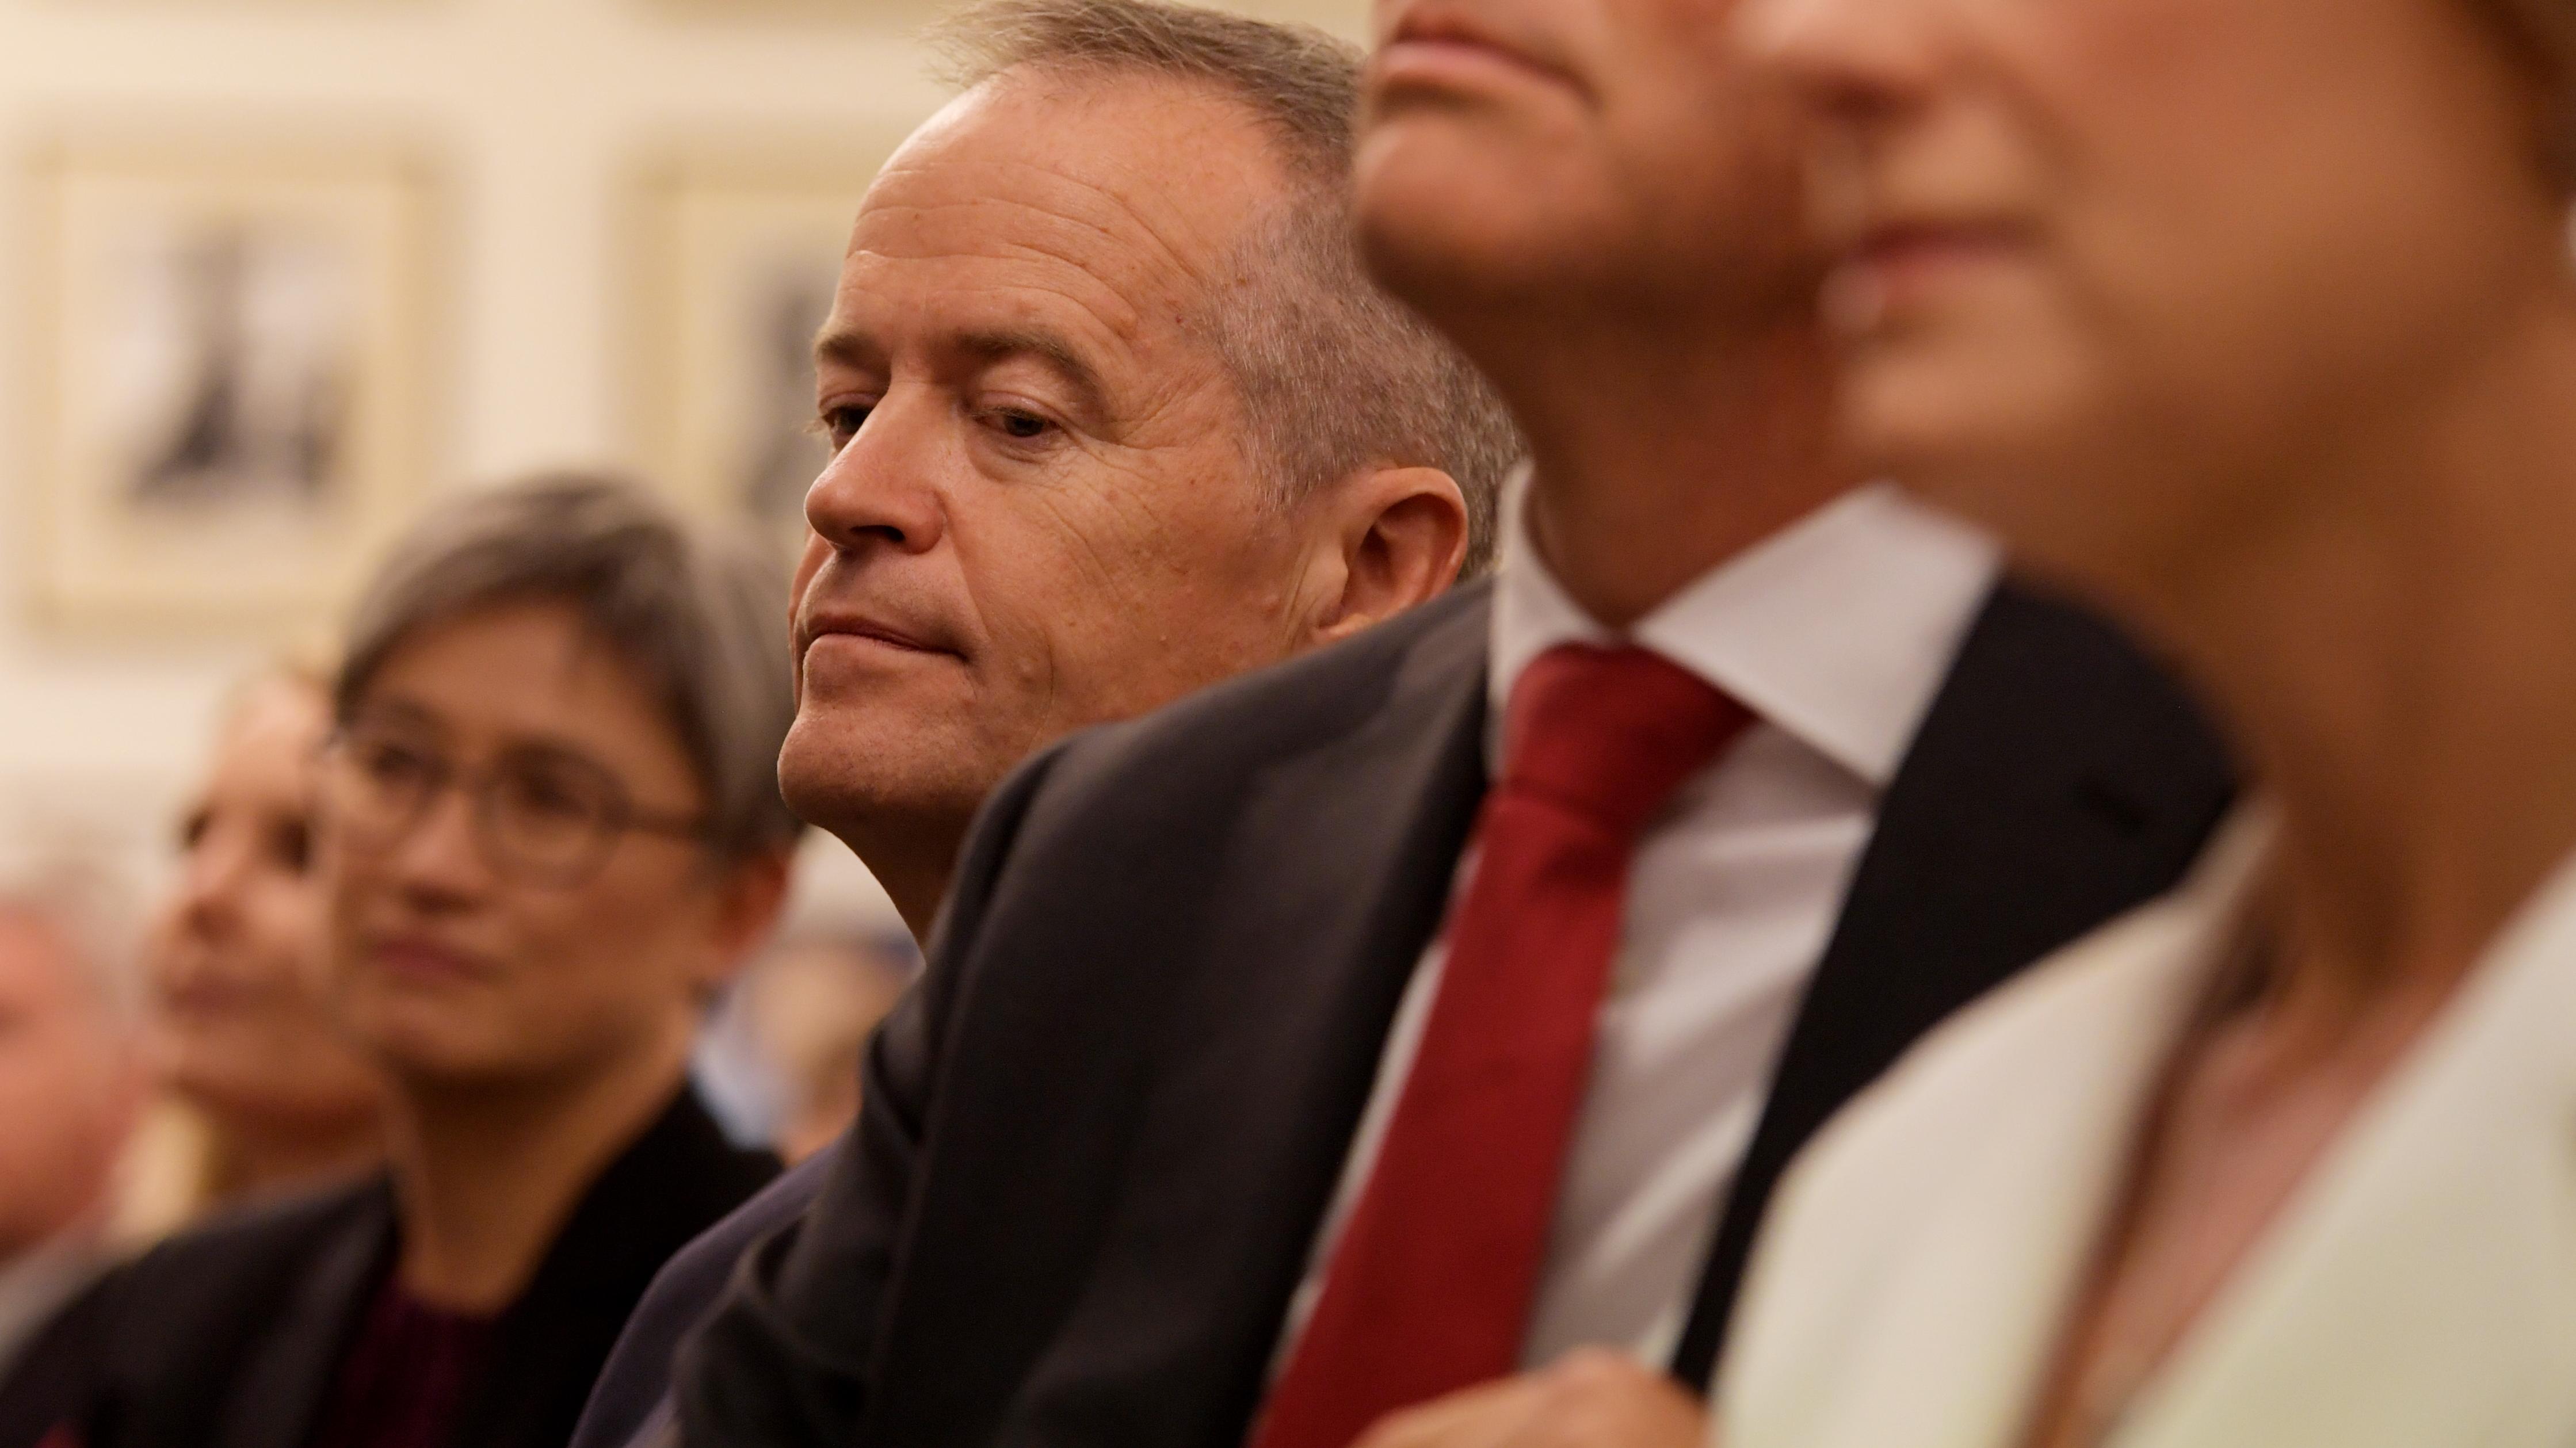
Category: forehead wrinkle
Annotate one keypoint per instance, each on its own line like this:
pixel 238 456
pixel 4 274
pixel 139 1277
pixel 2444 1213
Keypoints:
pixel 1124 259
pixel 1134 207
pixel 984 317
pixel 1057 274
pixel 1021 289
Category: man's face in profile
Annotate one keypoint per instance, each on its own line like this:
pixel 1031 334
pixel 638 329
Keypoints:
pixel 1041 511
pixel 1593 152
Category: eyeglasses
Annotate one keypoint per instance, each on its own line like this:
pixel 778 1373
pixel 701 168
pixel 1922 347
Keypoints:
pixel 539 814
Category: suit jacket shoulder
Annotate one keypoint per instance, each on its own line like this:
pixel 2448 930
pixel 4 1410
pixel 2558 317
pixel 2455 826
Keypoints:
pixel 1100 915
pixel 196 1323
pixel 232 1335
pixel 1138 774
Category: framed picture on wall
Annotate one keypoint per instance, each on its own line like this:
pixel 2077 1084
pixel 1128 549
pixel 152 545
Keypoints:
pixel 737 257
pixel 233 379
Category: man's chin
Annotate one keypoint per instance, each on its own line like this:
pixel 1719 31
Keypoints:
pixel 871 788
pixel 1445 223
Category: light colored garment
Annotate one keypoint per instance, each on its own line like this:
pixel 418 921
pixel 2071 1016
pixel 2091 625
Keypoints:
pixel 1837 634
pixel 2418 1292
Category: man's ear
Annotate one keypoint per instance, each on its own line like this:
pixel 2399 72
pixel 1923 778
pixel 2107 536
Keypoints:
pixel 748 901
pixel 1397 538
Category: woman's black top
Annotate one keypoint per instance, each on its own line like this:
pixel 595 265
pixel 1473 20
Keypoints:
pixel 284 1328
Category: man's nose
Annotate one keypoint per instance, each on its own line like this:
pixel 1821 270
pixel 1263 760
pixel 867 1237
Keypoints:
pixel 877 489
pixel 1854 61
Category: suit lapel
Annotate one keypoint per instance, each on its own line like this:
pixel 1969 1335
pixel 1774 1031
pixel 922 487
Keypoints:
pixel 2057 781
pixel 1118 1241
pixel 285 1386
pixel 1339 876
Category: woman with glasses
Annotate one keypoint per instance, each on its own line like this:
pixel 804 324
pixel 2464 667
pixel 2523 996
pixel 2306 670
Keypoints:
pixel 550 830
pixel 2256 320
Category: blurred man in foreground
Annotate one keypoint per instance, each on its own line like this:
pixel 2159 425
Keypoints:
pixel 1449 1002
pixel 72 1081
pixel 1116 414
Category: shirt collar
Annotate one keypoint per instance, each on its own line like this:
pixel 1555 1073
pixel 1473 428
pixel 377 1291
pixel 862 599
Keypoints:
pixel 1838 630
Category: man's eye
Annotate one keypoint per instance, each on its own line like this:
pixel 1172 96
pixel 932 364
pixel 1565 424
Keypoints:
pixel 1021 426
pixel 840 424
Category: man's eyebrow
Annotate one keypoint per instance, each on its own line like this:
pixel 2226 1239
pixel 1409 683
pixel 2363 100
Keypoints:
pixel 842 346
pixel 849 347
pixel 1046 347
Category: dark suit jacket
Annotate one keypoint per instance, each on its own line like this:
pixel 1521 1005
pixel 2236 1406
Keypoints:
pixel 1098 1139
pixel 633 1388
pixel 231 1336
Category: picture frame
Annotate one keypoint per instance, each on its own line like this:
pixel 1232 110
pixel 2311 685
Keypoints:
pixel 234 383
pixel 737 254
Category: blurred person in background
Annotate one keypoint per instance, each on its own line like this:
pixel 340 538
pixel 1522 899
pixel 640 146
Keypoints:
pixel 809 1008
pixel 72 1081
pixel 1449 1001
pixel 1116 414
pixel 261 1095
pixel 551 830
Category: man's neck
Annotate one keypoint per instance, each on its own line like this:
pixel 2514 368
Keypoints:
pixel 486 1176
pixel 1660 455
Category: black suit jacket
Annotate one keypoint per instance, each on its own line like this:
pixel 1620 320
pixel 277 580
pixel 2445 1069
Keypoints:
pixel 632 1396
pixel 1099 1137
pixel 231 1336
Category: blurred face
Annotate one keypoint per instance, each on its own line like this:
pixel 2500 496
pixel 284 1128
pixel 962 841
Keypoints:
pixel 1597 153
pixel 235 958
pixel 486 939
pixel 1040 512
pixel 2108 266
pixel 69 1081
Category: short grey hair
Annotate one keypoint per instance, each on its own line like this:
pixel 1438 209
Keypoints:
pixel 698 613
pixel 88 908
pixel 1335 376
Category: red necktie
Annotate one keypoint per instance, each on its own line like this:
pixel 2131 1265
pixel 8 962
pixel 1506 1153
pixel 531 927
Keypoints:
pixel 1430 1287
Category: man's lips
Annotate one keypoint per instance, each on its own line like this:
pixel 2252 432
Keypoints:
pixel 870 633
pixel 1438 49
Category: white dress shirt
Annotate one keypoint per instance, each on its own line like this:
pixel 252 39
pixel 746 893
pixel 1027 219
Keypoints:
pixel 2418 1290
pixel 1836 633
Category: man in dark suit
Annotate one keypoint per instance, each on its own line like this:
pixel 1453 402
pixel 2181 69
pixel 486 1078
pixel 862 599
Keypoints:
pixel 1450 1002
pixel 1116 414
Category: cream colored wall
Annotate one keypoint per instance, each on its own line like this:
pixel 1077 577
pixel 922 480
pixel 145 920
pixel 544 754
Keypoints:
pixel 534 112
